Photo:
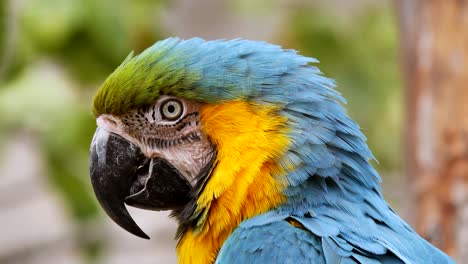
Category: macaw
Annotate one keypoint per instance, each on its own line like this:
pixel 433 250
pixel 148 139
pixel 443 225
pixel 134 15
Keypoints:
pixel 250 147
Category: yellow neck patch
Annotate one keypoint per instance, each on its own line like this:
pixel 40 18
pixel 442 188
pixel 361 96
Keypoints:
pixel 245 182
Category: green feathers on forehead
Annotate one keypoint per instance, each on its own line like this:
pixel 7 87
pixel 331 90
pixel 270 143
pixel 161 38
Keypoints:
pixel 210 72
pixel 141 79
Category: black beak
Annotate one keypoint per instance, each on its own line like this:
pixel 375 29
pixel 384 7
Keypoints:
pixel 120 173
pixel 113 162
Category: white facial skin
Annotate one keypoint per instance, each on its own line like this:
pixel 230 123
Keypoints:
pixel 169 129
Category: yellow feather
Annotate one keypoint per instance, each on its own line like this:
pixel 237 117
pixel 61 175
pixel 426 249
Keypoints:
pixel 247 179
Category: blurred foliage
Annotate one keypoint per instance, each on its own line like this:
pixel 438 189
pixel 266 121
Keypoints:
pixel 89 37
pixel 361 54
pixel 3 6
pixel 63 50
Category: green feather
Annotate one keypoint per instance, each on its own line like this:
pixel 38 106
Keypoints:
pixel 141 79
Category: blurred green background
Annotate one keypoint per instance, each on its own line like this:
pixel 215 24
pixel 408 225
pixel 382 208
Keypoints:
pixel 54 54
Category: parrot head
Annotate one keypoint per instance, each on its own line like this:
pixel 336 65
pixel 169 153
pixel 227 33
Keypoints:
pixel 198 126
pixel 153 157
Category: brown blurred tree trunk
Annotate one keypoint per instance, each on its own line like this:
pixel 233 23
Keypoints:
pixel 434 40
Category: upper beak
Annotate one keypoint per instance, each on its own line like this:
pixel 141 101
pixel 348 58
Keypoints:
pixel 121 173
pixel 113 164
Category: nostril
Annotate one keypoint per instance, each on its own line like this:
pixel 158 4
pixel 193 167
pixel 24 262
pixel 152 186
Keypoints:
pixel 107 121
pixel 111 122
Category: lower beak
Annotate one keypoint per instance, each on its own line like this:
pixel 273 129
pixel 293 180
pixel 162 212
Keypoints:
pixel 121 173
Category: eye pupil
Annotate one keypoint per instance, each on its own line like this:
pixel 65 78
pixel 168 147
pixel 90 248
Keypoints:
pixel 171 109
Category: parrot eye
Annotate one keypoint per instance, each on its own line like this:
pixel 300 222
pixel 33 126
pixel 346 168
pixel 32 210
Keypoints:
pixel 171 109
